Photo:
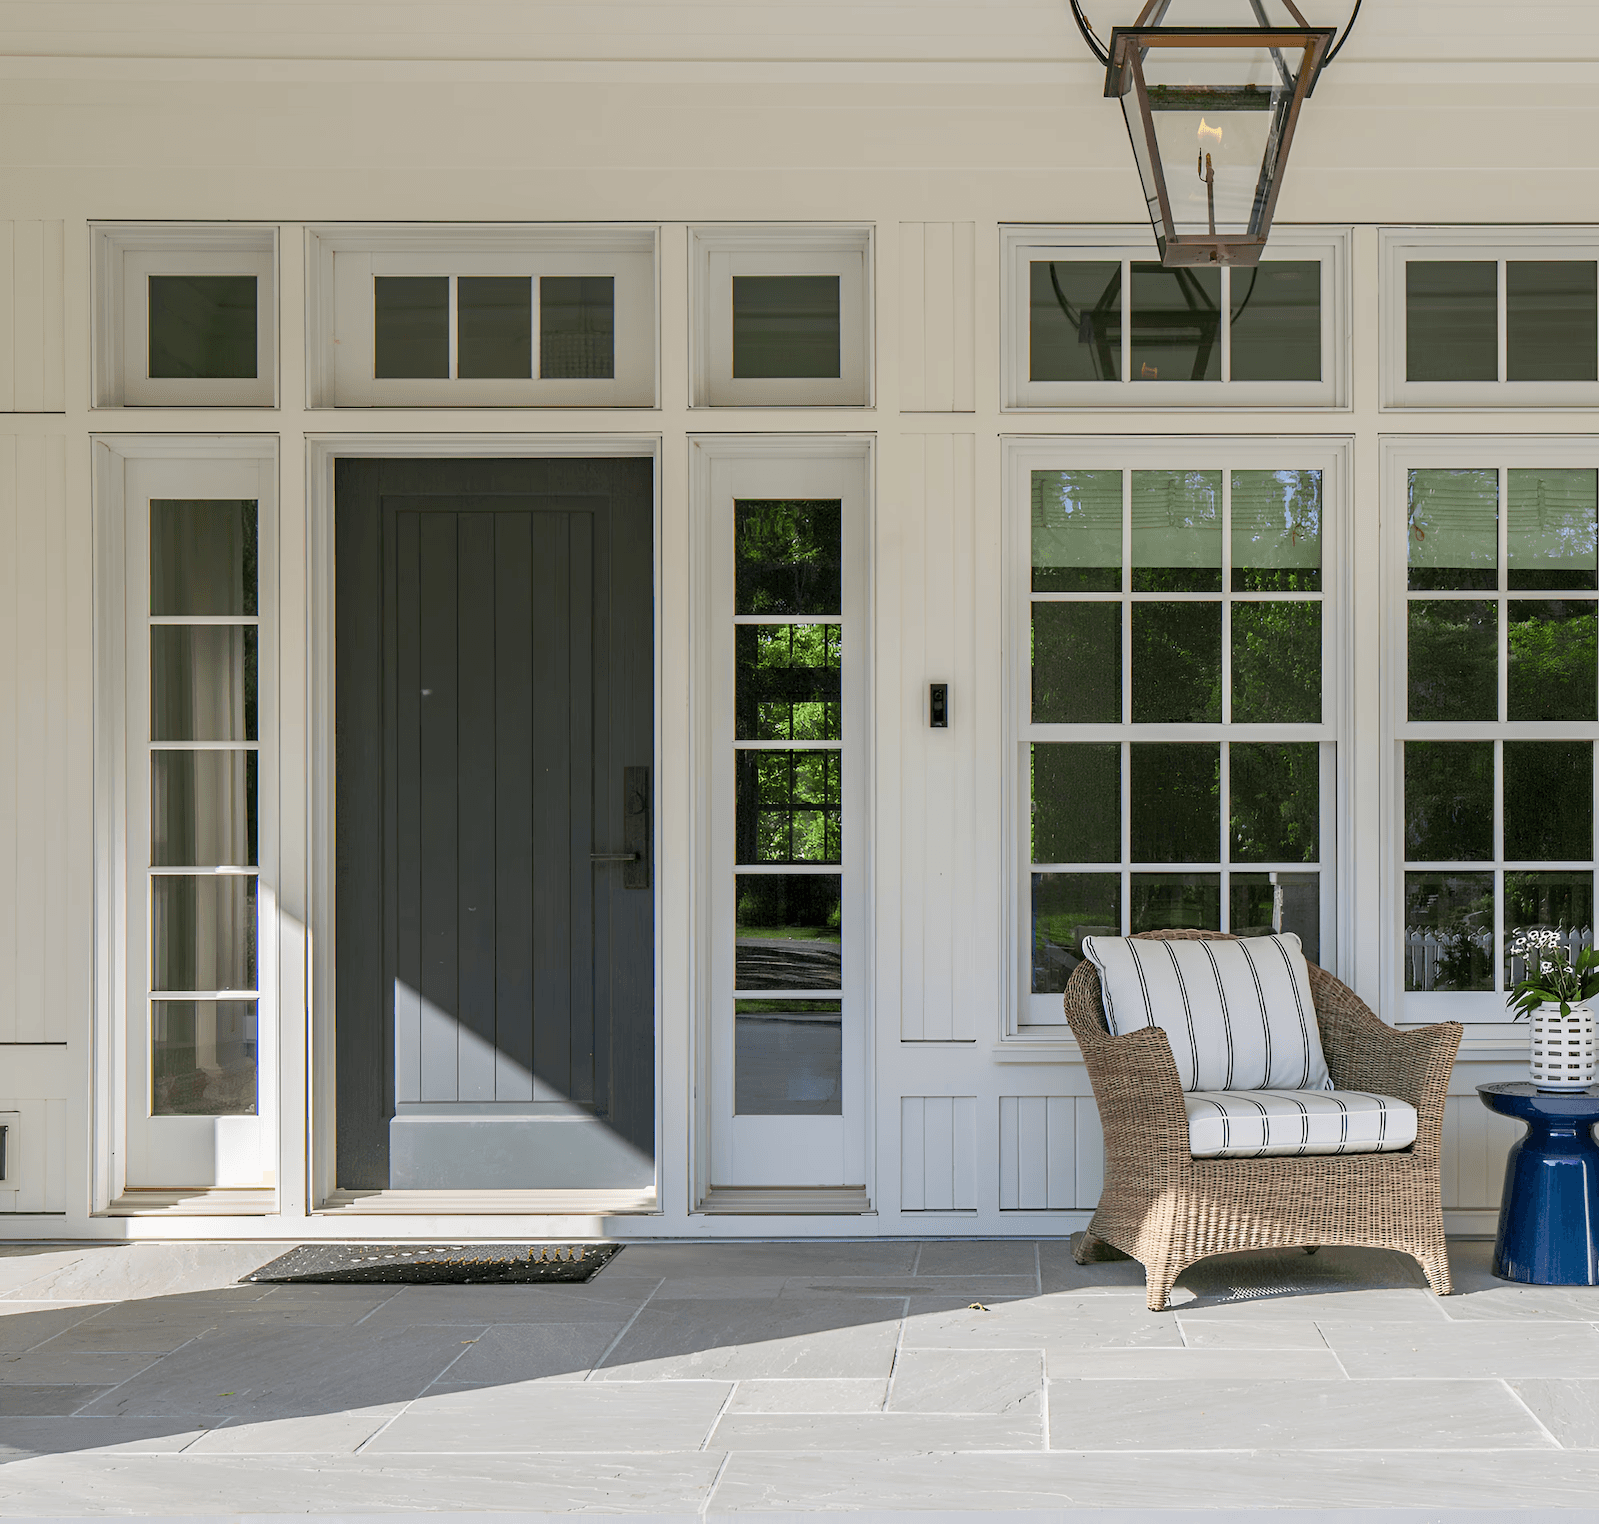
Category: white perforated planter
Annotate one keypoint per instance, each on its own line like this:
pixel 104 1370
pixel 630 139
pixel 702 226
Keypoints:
pixel 1562 1055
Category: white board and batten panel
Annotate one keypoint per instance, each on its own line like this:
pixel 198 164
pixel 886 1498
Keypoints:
pixel 32 338
pixel 938 317
pixel 1051 1153
pixel 938 1153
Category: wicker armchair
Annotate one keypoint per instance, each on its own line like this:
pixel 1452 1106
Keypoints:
pixel 1168 1209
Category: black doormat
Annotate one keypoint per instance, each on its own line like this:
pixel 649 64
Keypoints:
pixel 437 1265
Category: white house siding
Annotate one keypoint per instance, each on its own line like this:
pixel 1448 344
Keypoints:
pixel 935 123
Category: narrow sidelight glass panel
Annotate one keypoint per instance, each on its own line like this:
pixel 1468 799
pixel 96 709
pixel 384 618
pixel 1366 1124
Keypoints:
pixel 1176 806
pixel 1176 320
pixel 1077 802
pixel 1449 801
pixel 1449 931
pixel 203 682
pixel 1451 320
pixel 203 1058
pixel 1075 320
pixel 1177 663
pixel 1077 531
pixel 1262 903
pixel 786 327
pixel 1276 663
pixel 789 556
pixel 789 932
pixel 1077 663
pixel 1548 801
pixel 1552 529
pixel 1560 902
pixel 202 557
pixel 203 327
pixel 1066 908
pixel 203 809
pixel 1454 530
pixel 411 327
pixel 1276 531
pixel 1176 531
pixel 788 682
pixel 789 807
pixel 1276 321
pixel 1274 812
pixel 1551 320
pixel 202 932
pixel 494 327
pixel 788 1058
pixel 1453 660
pixel 577 327
pixel 1552 650
pixel 1164 900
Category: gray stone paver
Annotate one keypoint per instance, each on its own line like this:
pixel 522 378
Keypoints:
pixel 782 1376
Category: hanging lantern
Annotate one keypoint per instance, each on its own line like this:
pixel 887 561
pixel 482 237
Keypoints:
pixel 1211 112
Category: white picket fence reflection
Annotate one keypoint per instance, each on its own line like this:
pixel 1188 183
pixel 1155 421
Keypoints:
pixel 1426 947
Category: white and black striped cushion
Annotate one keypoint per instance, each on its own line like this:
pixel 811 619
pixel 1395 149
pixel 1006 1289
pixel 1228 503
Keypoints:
pixel 1239 1014
pixel 1252 1124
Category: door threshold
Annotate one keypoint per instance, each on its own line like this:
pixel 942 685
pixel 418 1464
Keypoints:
pixel 206 1201
pixel 575 1203
pixel 787 1200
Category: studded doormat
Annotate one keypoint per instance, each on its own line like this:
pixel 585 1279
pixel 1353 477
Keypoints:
pixel 437 1265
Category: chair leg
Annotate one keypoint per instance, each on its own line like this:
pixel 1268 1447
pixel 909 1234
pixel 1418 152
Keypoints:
pixel 1435 1267
pixel 1157 1286
pixel 1311 1248
pixel 1089 1247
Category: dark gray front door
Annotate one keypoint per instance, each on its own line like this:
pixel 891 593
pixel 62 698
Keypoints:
pixel 495 962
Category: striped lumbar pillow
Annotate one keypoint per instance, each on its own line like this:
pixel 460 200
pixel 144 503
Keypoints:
pixel 1238 1013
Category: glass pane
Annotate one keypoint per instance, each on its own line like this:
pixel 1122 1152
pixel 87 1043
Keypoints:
pixel 1560 902
pixel 1449 931
pixel 1275 804
pixel 577 327
pixel 1276 321
pixel 789 808
pixel 203 809
pixel 1164 900
pixel 1551 650
pixel 1276 531
pixel 1176 531
pixel 1066 908
pixel 494 327
pixel 1262 903
pixel 203 1058
pixel 1451 321
pixel 1077 663
pixel 789 557
pixel 202 557
pixel 411 327
pixel 789 932
pixel 1176 806
pixel 1548 801
pixel 1276 663
pixel 203 327
pixel 202 682
pixel 1551 320
pixel 1454 530
pixel 1551 529
pixel 1077 531
pixel 1449 801
pixel 1453 659
pixel 202 932
pixel 786 326
pixel 1176 324
pixel 788 1058
pixel 788 682
pixel 1177 662
pixel 1077 803
pixel 1075 321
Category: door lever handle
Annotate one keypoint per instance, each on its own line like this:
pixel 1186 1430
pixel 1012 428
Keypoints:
pixel 613 857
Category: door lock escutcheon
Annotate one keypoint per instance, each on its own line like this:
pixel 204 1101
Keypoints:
pixel 635 856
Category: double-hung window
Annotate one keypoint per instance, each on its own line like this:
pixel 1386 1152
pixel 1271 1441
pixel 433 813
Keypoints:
pixel 1176 762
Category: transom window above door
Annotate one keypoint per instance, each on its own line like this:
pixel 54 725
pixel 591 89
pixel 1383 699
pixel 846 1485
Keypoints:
pixel 484 317
pixel 1094 320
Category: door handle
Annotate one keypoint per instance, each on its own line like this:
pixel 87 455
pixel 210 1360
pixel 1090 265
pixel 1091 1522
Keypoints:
pixel 613 857
pixel 636 827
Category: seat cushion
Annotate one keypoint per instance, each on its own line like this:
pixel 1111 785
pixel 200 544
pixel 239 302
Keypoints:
pixel 1239 1013
pixel 1253 1124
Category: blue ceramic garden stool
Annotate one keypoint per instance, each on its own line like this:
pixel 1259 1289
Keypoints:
pixel 1549 1217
